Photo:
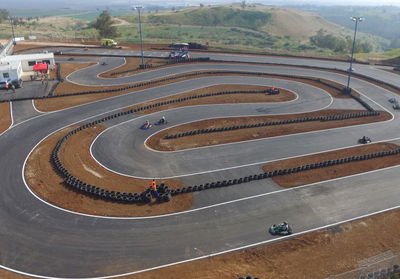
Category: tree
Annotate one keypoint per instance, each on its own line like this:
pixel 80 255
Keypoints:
pixel 104 24
pixel 4 14
pixel 243 4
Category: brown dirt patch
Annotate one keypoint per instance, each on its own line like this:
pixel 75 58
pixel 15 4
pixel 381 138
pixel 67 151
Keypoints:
pixel 132 64
pixel 158 143
pixel 315 175
pixel 284 95
pixel 68 68
pixel 75 155
pixel 47 105
pixel 314 255
pixel 5 116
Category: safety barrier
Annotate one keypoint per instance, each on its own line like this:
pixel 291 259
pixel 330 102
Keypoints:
pixel 156 81
pixel 171 78
pixel 334 117
pixel 165 193
pixel 169 62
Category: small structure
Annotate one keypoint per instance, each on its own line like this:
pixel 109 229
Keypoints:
pixel 11 72
pixel 26 66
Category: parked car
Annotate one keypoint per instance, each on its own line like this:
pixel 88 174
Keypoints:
pixel 6 84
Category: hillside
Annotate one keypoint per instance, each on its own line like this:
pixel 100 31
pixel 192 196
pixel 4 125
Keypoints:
pixel 378 20
pixel 255 26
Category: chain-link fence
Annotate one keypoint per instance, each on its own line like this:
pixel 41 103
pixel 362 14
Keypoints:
pixel 383 266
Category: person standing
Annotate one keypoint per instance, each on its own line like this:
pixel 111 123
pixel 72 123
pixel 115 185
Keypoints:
pixel 153 187
pixel 13 88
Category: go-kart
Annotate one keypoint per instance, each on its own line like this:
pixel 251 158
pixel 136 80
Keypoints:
pixel 162 121
pixel 364 140
pixel 280 229
pixel 146 125
pixel 396 106
pixel 392 100
pixel 103 63
pixel 273 91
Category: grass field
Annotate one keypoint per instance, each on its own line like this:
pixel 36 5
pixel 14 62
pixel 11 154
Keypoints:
pixel 256 28
pixel 392 53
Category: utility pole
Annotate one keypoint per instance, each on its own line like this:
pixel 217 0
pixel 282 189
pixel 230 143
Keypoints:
pixel 356 20
pixel 12 28
pixel 141 38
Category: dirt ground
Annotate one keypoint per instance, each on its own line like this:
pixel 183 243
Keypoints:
pixel 158 142
pixel 315 255
pixel 131 64
pixel 46 183
pixel 5 116
pixel 315 175
pixel 48 105
pixel 70 67
pixel 284 96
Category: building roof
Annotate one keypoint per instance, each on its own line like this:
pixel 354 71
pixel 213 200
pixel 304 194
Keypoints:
pixel 32 56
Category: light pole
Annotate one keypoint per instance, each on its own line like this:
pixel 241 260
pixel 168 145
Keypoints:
pixel 12 28
pixel 356 20
pixel 141 38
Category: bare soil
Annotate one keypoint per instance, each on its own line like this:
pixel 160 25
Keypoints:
pixel 131 64
pixel 46 183
pixel 315 255
pixel 316 175
pixel 5 116
pixel 69 67
pixel 158 142
pixel 284 96
pixel 48 105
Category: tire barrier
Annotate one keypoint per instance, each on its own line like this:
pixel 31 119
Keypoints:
pixel 165 194
pixel 334 117
pixel 160 80
pixel 247 277
pixel 58 72
pixel 362 102
pixel 169 62
pixel 384 273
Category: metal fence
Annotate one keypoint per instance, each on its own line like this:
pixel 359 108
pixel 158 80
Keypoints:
pixel 382 266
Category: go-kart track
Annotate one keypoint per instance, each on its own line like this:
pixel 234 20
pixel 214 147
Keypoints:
pixel 42 240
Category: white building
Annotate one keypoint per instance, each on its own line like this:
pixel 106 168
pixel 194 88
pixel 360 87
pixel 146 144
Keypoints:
pixel 21 66
pixel 10 70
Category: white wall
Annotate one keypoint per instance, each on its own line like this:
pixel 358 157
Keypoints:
pixel 12 73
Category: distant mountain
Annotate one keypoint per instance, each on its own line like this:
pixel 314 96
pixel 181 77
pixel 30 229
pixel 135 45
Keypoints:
pixel 277 21
pixel 383 21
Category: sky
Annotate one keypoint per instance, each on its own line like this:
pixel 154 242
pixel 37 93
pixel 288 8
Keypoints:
pixel 29 4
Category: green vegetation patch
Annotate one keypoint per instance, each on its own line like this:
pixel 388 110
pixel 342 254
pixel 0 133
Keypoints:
pixel 215 16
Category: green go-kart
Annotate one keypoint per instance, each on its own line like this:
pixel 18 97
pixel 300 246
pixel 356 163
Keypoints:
pixel 280 229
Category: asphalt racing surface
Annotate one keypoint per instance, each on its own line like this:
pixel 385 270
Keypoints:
pixel 40 239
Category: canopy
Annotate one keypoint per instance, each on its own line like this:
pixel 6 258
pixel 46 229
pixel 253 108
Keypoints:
pixel 39 67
